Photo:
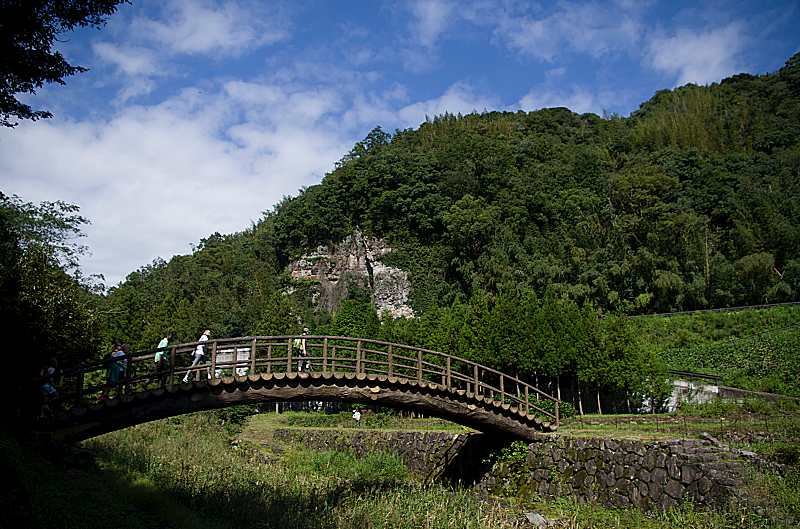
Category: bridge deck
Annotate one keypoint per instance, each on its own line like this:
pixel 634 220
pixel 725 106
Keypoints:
pixel 282 368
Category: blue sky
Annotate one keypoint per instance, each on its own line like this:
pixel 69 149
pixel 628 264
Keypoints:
pixel 197 116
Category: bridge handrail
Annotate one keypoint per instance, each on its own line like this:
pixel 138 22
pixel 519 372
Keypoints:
pixel 455 373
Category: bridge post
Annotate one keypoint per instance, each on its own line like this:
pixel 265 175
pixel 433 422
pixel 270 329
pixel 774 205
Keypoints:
pixel 324 355
pixel 359 361
pixel 269 358
pixel 214 358
pixel 527 404
pixel 289 356
pixel 171 365
pixel 333 360
pixel 502 388
pixel 448 373
pixel 391 365
pixel 253 357
pixel 477 380
pixel 557 414
pixel 419 365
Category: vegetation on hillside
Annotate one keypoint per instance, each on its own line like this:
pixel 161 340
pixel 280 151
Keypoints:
pixel 518 229
pixel 529 239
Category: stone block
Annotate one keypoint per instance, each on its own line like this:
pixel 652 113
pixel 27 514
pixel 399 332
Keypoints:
pixel 659 476
pixel 653 490
pixel 629 472
pixel 704 485
pixel 644 475
pixel 644 489
pixel 649 461
pixel 667 502
pixel 673 469
pixel 674 489
pixel 689 473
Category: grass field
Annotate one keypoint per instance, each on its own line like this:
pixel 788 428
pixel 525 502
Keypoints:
pixel 205 470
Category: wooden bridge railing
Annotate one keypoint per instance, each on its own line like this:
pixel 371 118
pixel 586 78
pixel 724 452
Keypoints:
pixel 252 355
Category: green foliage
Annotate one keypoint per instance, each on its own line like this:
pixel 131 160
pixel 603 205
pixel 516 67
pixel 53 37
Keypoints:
pixel 50 315
pixel 527 238
pixel 26 42
pixel 754 349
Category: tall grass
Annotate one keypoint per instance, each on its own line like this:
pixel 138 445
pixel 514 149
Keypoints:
pixel 194 461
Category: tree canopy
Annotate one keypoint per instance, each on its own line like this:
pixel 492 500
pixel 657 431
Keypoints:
pixel 27 31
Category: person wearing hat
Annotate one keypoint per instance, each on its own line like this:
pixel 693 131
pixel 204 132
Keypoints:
pixel 198 354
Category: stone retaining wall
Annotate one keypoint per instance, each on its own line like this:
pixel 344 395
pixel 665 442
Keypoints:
pixel 618 473
pixel 623 473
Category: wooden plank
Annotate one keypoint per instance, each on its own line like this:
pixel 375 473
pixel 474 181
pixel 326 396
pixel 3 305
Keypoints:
pixel 172 364
pixel 214 358
pixel 325 355
pixel 527 404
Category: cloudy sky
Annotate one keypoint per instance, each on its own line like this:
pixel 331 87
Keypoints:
pixel 198 116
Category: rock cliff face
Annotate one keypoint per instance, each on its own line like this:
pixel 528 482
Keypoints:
pixel 356 261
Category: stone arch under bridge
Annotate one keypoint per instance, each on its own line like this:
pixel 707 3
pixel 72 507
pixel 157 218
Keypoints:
pixel 257 369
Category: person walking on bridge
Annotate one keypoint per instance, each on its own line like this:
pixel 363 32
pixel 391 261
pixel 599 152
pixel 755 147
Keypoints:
pixel 160 361
pixel 199 353
pixel 303 363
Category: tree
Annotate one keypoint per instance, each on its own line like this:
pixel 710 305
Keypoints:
pixel 27 31
pixel 47 312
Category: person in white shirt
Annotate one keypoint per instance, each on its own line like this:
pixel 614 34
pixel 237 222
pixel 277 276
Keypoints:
pixel 198 354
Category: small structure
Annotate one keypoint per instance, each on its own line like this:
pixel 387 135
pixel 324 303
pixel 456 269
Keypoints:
pixel 235 359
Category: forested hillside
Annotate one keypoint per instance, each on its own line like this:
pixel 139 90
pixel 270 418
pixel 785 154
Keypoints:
pixel 528 237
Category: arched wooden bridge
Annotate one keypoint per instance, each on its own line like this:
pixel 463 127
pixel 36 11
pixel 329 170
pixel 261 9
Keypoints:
pixel 274 368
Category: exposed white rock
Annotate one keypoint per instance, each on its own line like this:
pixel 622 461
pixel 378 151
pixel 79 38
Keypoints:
pixel 356 261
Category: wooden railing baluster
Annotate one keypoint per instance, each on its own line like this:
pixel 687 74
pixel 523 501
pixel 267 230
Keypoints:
pixel 213 373
pixel 171 365
pixel 391 367
pixel 253 357
pixel 269 358
pixel 324 355
pixel 289 356
pixel 527 403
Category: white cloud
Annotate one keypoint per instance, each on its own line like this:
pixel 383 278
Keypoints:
pixel 431 18
pixel 698 57
pixel 134 88
pixel 153 179
pixel 201 27
pixel 592 28
pixel 129 60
